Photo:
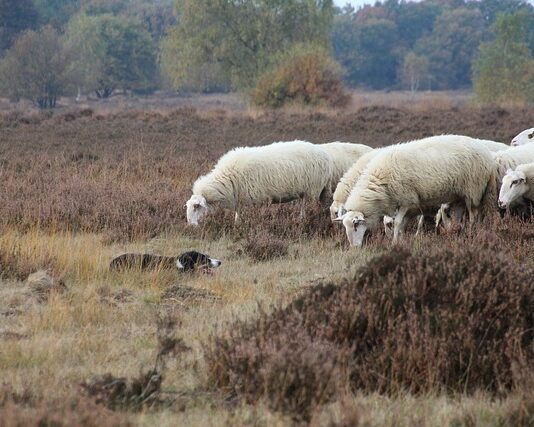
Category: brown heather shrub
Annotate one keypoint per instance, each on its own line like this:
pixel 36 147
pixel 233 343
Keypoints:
pixel 451 320
pixel 264 247
pixel 278 221
pixel 81 412
pixel 22 409
pixel 128 175
pixel 306 75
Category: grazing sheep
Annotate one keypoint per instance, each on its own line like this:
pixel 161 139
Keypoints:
pixel 493 146
pixel 525 137
pixel 343 155
pixel 513 157
pixel 277 173
pixel 347 182
pixel 516 185
pixel 417 175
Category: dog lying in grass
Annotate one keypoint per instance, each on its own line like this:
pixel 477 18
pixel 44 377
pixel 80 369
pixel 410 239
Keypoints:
pixel 186 262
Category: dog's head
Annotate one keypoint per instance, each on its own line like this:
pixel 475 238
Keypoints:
pixel 193 260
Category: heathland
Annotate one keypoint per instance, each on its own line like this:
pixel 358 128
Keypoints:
pixel 295 326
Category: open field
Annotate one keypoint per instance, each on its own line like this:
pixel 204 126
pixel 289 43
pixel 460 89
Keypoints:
pixel 79 187
pixel 166 102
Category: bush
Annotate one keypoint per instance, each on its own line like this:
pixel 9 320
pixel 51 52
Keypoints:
pixel 263 247
pixel 453 320
pixel 306 75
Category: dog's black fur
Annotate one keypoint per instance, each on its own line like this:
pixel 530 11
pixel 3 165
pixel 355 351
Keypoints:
pixel 188 261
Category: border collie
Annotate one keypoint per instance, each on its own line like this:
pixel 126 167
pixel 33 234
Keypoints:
pixel 188 261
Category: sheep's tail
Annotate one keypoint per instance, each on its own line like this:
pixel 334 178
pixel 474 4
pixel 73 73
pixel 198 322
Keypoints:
pixel 489 199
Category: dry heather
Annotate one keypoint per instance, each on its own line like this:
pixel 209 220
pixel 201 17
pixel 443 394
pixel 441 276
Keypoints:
pixel 445 320
pixel 434 337
pixel 129 174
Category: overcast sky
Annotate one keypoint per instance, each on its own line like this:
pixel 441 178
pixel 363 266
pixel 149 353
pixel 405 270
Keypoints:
pixel 358 3
pixel 355 3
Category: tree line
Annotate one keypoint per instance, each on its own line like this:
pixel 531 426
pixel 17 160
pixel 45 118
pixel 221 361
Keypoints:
pixel 270 49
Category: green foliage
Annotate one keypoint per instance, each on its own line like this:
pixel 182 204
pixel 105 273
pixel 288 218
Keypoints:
pixel 57 12
pixel 35 68
pixel 452 46
pixel 504 70
pixel 305 75
pixel 235 41
pixel 156 17
pixel 112 52
pixel 371 43
pixel 367 50
pixel 414 71
pixel 15 17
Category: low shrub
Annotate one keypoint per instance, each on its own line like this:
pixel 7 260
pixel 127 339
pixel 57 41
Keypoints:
pixel 454 320
pixel 25 409
pixel 305 75
pixel 264 247
pixel 278 221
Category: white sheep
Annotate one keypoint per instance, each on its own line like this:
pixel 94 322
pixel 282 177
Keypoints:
pixel 347 182
pixel 492 146
pixel 343 155
pixel 525 137
pixel 513 157
pixel 417 175
pixel 516 185
pixel 279 172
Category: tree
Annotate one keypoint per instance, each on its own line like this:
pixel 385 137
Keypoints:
pixel 112 52
pixel 57 12
pixel 414 20
pixel 452 46
pixel 504 70
pixel 367 50
pixel 238 39
pixel 36 68
pixel 157 17
pixel 15 17
pixel 414 70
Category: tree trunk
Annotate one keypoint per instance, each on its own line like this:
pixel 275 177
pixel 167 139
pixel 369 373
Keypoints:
pixel 104 92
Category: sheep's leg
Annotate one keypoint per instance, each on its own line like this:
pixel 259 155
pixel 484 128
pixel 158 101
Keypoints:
pixel 399 223
pixel 473 213
pixel 420 221
pixel 237 218
pixel 302 208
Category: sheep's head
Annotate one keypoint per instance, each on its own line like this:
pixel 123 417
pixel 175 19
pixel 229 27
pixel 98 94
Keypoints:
pixel 514 185
pixel 355 225
pixel 336 210
pixel 525 137
pixel 197 208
